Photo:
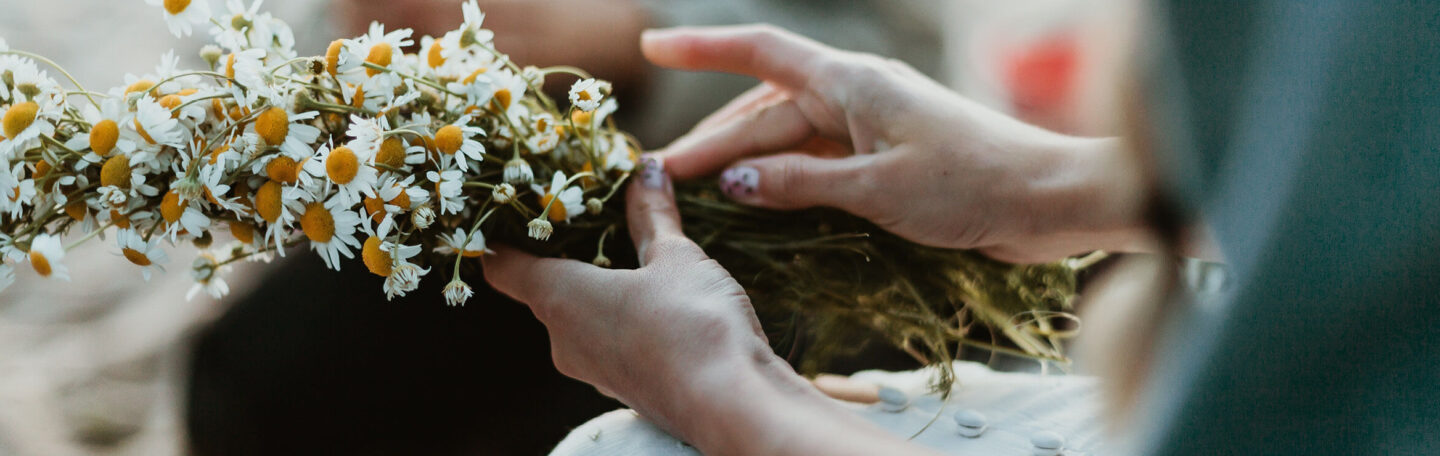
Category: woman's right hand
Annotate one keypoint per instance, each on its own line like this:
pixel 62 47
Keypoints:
pixel 876 138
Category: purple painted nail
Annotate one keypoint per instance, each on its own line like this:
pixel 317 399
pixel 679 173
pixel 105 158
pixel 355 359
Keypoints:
pixel 740 181
pixel 652 171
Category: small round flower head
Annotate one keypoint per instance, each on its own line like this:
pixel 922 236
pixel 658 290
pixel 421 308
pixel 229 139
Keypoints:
pixel 146 255
pixel 206 272
pixel 211 54
pixel 540 229
pixel 457 292
pixel 181 15
pixel 503 194
pixel 423 217
pixel 594 205
pixel 586 94
pixel 518 172
pixel 404 278
pixel 46 256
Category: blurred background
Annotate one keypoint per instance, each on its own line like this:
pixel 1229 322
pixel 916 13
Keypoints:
pixel 300 359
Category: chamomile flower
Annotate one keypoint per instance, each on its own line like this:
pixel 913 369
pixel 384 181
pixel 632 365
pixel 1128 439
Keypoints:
pixel 182 216
pixel 448 185
pixel 348 170
pixel 586 94
pixel 618 155
pixel 46 256
pixel 156 126
pixel 206 271
pixel 457 292
pixel 23 124
pixel 468 245
pixel 544 134
pixel 395 196
pixel 458 139
pixel 16 191
pixel 104 136
pixel 331 231
pixel 518 172
pixel 146 255
pixel 403 278
pixel 375 48
pixel 181 15
pixel 290 132
pixel 367 133
pixel 568 202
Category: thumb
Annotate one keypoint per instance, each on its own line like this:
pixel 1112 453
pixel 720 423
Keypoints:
pixel 796 181
pixel 653 218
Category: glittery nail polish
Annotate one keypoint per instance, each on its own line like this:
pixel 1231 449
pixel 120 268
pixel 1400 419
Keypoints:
pixel 652 171
pixel 740 181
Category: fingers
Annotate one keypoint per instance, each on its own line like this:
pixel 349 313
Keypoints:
pixel 752 100
pixel 797 180
pixel 653 217
pixel 545 282
pixel 761 51
pixel 703 152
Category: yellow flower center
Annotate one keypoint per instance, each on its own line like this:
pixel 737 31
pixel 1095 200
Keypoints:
pixel 170 208
pixel 557 211
pixel 375 207
pixel 503 96
pixel 332 56
pixel 380 55
pixel 449 139
pixel 584 95
pixel 317 223
pixel 143 134
pixel 358 100
pixel 401 201
pixel 76 210
pixel 243 232
pixel 392 153
pixel 471 253
pixel 171 102
pixel 434 57
pixel 342 165
pixel 476 74
pixel 19 117
pixel 267 201
pixel 143 85
pixel 376 260
pixel 119 219
pixel 103 137
pixel 42 168
pixel 176 6
pixel 230 65
pixel 283 169
pixel 40 263
pixel 135 256
pixel 215 154
pixel 116 171
pixel 582 118
pixel 273 126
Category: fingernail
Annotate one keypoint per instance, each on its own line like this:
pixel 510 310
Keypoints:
pixel 652 171
pixel 740 182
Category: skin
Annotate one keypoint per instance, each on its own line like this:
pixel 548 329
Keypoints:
pixel 677 339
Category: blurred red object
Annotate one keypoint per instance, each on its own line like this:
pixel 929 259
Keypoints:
pixel 1040 78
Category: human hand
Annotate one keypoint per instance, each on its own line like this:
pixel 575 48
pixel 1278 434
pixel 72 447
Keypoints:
pixel 878 139
pixel 678 341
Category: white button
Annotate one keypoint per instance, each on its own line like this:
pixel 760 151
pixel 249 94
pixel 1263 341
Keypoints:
pixel 1047 443
pixel 971 423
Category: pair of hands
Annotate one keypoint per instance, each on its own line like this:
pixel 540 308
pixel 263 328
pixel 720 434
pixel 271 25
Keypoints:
pixel 677 339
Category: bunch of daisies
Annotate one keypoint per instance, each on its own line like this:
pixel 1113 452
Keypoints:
pixel 364 150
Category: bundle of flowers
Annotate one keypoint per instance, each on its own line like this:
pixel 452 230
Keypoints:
pixel 411 161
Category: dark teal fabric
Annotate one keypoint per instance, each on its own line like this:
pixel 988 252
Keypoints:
pixel 1307 133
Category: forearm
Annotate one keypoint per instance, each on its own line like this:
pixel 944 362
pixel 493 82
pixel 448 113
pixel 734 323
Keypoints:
pixel 770 410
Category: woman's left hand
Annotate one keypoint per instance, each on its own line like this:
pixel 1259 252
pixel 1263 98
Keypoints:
pixel 678 341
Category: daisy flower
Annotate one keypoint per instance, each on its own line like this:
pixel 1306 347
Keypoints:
pixel 518 172
pixel 457 292
pixel 570 200
pixel 15 191
pixel 619 156
pixel 156 126
pixel 348 170
pixel 367 133
pixel 206 272
pixel 23 123
pixel 376 48
pixel 448 185
pixel 289 132
pixel 460 137
pixel 104 135
pixel 181 15
pixel 469 245
pixel 545 135
pixel 331 231
pixel 394 196
pixel 147 255
pixel 46 255
pixel 182 215
pixel 586 94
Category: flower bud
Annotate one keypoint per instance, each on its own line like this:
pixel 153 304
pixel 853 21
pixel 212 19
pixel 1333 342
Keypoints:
pixel 503 194
pixel 457 292
pixel 518 172
pixel 594 205
pixel 423 217
pixel 211 53
pixel 540 229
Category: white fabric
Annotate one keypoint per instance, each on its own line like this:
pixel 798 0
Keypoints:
pixel 1017 405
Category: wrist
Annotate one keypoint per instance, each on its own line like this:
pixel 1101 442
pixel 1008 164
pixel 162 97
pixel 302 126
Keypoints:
pixel 1094 194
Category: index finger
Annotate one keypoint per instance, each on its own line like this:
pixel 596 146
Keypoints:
pixel 544 282
pixel 761 51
